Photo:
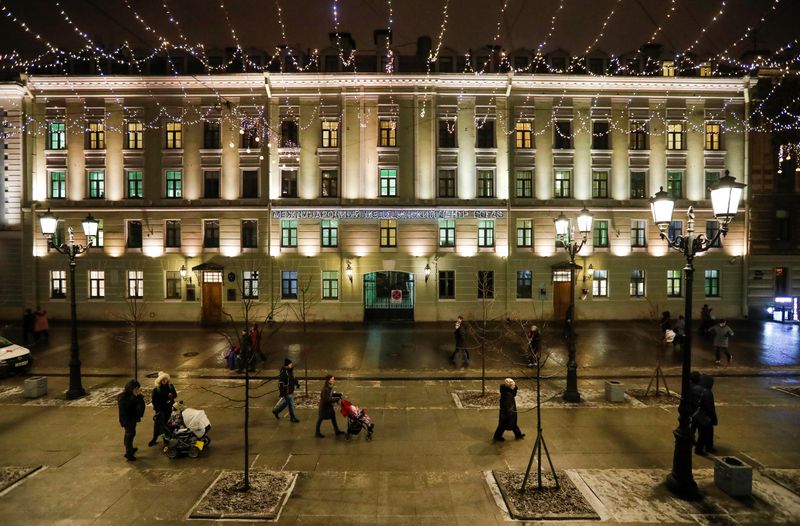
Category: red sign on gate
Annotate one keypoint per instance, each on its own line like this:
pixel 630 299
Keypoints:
pixel 397 296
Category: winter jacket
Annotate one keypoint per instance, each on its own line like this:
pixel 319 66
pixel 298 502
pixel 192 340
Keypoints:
pixel 707 400
pixel 721 335
pixel 40 323
pixel 286 381
pixel 326 400
pixel 131 407
pixel 459 335
pixel 161 399
pixel 508 407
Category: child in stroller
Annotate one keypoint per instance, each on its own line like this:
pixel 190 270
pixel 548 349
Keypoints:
pixel 357 419
pixel 186 432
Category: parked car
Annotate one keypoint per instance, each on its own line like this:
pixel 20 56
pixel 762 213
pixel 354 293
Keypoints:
pixel 14 357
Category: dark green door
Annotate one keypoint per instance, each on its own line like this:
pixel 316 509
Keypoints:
pixel 388 295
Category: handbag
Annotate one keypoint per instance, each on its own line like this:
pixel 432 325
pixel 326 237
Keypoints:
pixel 701 418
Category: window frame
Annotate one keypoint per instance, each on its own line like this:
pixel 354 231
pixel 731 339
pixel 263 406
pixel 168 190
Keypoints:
pixel 128 230
pixel 173 135
pixel 173 285
pixel 139 184
pixel 638 137
pixel 637 173
pixel 247 184
pixel 329 186
pixel 450 183
pixel 523 187
pixel 711 283
pixel 329 133
pixel 601 139
pixel 387 133
pixel 485 136
pixel 560 184
pixel 523 135
pixel 250 286
pixel 135 279
pixel 447 128
pixel 134 135
pixel 97 284
pixel 524 284
pixel 172 227
pixel 95 135
pixel 447 233
pixel 289 233
pixel 524 227
pixel 210 180
pixel 674 176
pixel 330 285
pixel 209 241
pixel 289 184
pixel 289 283
pixel 562 134
pixel 638 233
pixel 674 283
pixel 638 282
pixel 387 182
pixel 58 282
pixel 446 289
pixel 62 184
pixel 97 186
pixel 57 137
pixel 248 234
pixel 329 233
pixel 600 185
pixel 485 284
pixel 675 136
pixel 388 233
pixel 712 138
pixel 173 187
pixel 600 283
pixel 212 134
pixel 485 185
pixel 600 233
pixel 486 238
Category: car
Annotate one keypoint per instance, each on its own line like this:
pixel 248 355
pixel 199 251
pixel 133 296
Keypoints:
pixel 14 358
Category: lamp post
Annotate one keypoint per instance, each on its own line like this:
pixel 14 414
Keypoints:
pixel 725 196
pixel 71 249
pixel 565 235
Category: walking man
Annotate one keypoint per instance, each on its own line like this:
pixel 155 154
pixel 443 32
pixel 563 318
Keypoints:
pixel 508 411
pixel 534 345
pixel 28 322
pixel 326 400
pixel 131 410
pixel 458 334
pixel 286 386
pixel 721 333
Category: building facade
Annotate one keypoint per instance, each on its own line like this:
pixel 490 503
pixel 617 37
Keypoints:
pixel 400 196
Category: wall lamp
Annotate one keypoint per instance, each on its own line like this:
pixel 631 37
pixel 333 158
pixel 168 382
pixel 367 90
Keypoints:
pixel 349 271
pixel 427 271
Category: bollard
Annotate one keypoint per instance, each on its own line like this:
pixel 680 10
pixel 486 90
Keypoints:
pixel 733 476
pixel 35 387
pixel 615 391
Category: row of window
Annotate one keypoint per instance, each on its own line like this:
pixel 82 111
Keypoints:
pixel 250 137
pixel 388 183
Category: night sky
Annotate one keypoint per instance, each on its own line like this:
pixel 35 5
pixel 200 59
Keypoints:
pixel 471 24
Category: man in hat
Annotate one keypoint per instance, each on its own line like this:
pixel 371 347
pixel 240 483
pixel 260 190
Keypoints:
pixel 286 386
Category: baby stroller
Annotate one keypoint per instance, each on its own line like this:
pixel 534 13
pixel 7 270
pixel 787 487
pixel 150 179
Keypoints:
pixel 186 432
pixel 357 419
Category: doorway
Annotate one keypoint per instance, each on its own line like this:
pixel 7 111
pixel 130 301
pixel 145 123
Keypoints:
pixel 212 296
pixel 561 291
pixel 388 296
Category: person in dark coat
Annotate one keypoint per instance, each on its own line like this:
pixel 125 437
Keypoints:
pixel 508 411
pixel 162 398
pixel 131 410
pixel 698 411
pixel 458 334
pixel 28 323
pixel 286 386
pixel 327 397
pixel 706 442
pixel 534 345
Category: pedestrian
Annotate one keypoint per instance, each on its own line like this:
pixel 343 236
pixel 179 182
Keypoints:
pixel 679 329
pixel 162 398
pixel 28 324
pixel 699 418
pixel 286 386
pixel 458 334
pixel 41 327
pixel 508 411
pixel 248 358
pixel 721 333
pixel 534 345
pixel 707 441
pixel 706 320
pixel 255 343
pixel 131 410
pixel 327 397
pixel 666 321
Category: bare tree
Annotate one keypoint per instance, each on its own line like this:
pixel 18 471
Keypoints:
pixel 306 301
pixel 657 337
pixel 133 315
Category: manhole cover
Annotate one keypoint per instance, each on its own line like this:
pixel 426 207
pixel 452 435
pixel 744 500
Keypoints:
pixel 191 353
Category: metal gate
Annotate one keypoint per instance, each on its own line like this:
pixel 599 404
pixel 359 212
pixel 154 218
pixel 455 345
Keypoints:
pixel 388 295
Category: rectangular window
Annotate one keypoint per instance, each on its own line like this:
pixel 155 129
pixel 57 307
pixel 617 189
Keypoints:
pixel 211 184
pixel 56 136
pixel 330 183
pixel 484 134
pixel 524 233
pixel 447 232
pixel 638 185
pixel 485 233
pixel 172 234
pixel 600 233
pixel 523 135
pixel 134 135
pixel 638 135
pixel 100 237
pixel 387 129
pixel 711 283
pixel 388 182
pixel 250 284
pixel 485 183
pixel 485 284
pixel 288 183
pixel 705 70
pixel 330 284
pixel 675 184
pixel 174 135
pixel 675 229
pixel 782 222
pixel 600 184
pixel 600 135
pixel 211 233
pixel 447 183
pixel 288 233
pixel 134 234
pixel 713 135
pixel 712 178
pixel 447 133
pixel 668 68
pixel 95 136
pixel 524 284
pixel 250 138
pixel 564 240
pixel 674 283
pixel 637 283
pixel 675 136
pixel 638 233
pixel 97 184
pixel 524 183
pixel 97 284
pixel 563 186
pixel 134 184
pixel 249 233
pixel 212 138
pixel 330 134
pixel 174 183
pixel 59 238
pixel 290 137
pixel 712 229
pixel 289 284
pixel 330 233
pixel 58 185
pixel 388 233
pixel 249 184
pixel 447 284
pixel 173 285
pixel 562 135
pixel 136 284
pixel 600 284
pixel 58 284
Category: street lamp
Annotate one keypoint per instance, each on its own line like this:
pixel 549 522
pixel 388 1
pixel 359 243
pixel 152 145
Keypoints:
pixel 725 196
pixel 572 247
pixel 71 249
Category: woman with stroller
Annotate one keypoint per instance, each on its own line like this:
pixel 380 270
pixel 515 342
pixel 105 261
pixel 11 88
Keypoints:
pixel 163 397
pixel 508 411
pixel 327 397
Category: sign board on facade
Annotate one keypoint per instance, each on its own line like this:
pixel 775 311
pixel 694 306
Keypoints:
pixel 397 296
pixel 396 213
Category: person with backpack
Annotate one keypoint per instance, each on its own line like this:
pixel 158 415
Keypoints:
pixel 286 386
pixel 131 410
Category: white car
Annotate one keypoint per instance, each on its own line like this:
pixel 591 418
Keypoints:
pixel 14 357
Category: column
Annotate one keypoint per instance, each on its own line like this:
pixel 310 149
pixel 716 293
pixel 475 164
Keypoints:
pixel 308 184
pixel 501 175
pixel 406 133
pixel 658 145
pixel 274 119
pixel 733 143
pixel 543 126
pixel 620 164
pixel 115 163
pixel 192 142
pixel 229 132
pixel 351 147
pixel 154 142
pixel 425 146
pixel 368 124
pixel 76 164
pixel 695 149
pixel 466 148
pixel 582 144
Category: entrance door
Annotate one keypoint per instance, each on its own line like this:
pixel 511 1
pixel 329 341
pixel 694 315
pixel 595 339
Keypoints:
pixel 560 294
pixel 212 296
pixel 388 295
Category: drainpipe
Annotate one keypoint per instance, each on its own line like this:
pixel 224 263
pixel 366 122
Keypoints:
pixel 746 242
